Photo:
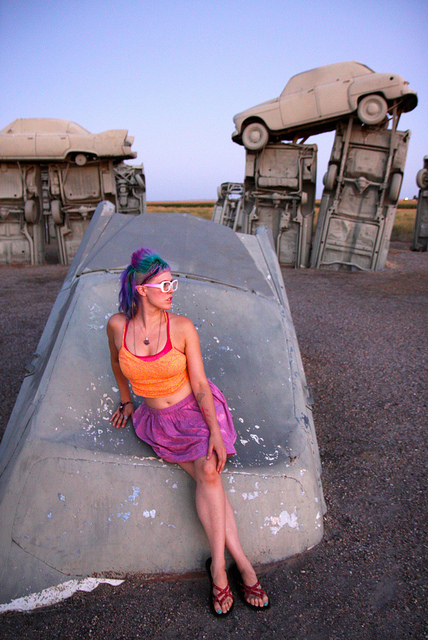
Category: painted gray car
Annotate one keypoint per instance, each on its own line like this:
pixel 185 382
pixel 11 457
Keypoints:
pixel 81 498
pixel 53 138
pixel 314 101
pixel 420 236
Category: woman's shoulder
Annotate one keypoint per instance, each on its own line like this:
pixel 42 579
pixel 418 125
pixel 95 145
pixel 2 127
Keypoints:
pixel 180 322
pixel 116 322
pixel 184 333
pixel 182 328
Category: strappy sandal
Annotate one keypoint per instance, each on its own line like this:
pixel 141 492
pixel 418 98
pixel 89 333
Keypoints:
pixel 218 597
pixel 246 591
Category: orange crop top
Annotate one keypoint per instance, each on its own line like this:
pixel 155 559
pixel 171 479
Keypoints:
pixel 155 376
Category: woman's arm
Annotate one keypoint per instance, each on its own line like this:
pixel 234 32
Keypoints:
pixel 114 333
pixel 202 392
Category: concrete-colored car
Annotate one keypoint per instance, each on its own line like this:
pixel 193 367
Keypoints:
pixel 227 210
pixel 314 101
pixel 361 190
pixel 81 498
pixel 53 175
pixel 53 138
pixel 420 237
pixel 279 192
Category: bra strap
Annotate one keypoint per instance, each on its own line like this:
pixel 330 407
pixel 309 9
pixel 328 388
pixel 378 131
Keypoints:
pixel 124 332
pixel 168 330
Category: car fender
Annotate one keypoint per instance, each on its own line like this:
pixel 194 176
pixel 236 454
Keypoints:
pixel 113 142
pixel 389 85
pixel 267 112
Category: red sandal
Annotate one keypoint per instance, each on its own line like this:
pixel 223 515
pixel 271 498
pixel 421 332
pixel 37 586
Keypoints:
pixel 220 596
pixel 245 591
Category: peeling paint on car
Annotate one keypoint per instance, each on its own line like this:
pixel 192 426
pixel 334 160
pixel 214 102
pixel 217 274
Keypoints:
pixel 276 523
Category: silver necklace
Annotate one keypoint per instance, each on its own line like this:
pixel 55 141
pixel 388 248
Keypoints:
pixel 146 339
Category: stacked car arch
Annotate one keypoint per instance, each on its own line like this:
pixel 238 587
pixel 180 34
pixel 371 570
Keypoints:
pixel 53 174
pixel 364 175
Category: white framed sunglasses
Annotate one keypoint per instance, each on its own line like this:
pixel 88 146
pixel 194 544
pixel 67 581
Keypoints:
pixel 166 286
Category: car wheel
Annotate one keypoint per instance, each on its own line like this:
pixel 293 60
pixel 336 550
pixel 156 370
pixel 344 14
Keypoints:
pixel 255 136
pixel 395 186
pixel 31 211
pixel 372 109
pixel 330 177
pixel 57 215
pixel 422 178
pixel 80 159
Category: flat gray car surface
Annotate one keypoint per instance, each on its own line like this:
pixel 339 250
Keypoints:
pixel 100 491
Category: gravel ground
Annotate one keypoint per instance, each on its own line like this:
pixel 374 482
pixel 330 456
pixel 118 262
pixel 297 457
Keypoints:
pixel 363 340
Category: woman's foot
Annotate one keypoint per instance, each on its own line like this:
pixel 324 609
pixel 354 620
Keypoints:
pixel 221 598
pixel 251 591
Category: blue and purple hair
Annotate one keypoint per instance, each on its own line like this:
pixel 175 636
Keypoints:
pixel 145 264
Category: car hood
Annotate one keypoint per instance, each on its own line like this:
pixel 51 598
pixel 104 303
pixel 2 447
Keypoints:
pixel 259 109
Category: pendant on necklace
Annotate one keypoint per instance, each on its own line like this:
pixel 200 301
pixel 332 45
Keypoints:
pixel 146 341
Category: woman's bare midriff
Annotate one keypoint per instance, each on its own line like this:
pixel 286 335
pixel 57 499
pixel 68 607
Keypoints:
pixel 168 401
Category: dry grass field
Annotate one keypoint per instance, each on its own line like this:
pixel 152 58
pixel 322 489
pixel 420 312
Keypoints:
pixel 203 209
pixel 404 222
pixel 402 231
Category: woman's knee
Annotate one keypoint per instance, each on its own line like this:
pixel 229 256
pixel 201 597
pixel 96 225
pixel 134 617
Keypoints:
pixel 206 470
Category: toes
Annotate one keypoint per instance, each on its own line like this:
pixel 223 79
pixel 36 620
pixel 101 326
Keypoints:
pixel 257 602
pixel 226 605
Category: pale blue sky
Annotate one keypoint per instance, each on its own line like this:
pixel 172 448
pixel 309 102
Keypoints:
pixel 174 72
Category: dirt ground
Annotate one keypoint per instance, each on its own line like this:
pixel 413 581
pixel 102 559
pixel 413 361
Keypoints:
pixel 363 338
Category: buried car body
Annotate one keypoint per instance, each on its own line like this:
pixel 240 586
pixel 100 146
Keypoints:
pixel 56 139
pixel 105 504
pixel 313 102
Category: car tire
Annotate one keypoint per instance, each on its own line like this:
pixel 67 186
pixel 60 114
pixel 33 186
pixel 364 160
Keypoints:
pixel 330 177
pixel 31 211
pixel 80 159
pixel 395 186
pixel 422 178
pixel 57 215
pixel 372 109
pixel 255 136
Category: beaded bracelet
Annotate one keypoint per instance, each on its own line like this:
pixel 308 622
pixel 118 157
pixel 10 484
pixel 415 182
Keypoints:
pixel 123 405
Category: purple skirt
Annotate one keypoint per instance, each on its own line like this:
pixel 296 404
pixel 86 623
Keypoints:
pixel 179 433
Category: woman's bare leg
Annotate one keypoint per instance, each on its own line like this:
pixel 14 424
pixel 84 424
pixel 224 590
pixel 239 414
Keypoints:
pixel 216 515
pixel 235 549
pixel 211 508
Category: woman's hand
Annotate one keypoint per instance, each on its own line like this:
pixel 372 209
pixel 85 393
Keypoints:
pixel 122 413
pixel 216 444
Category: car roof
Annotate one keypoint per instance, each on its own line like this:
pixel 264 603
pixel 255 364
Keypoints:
pixel 328 73
pixel 43 125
